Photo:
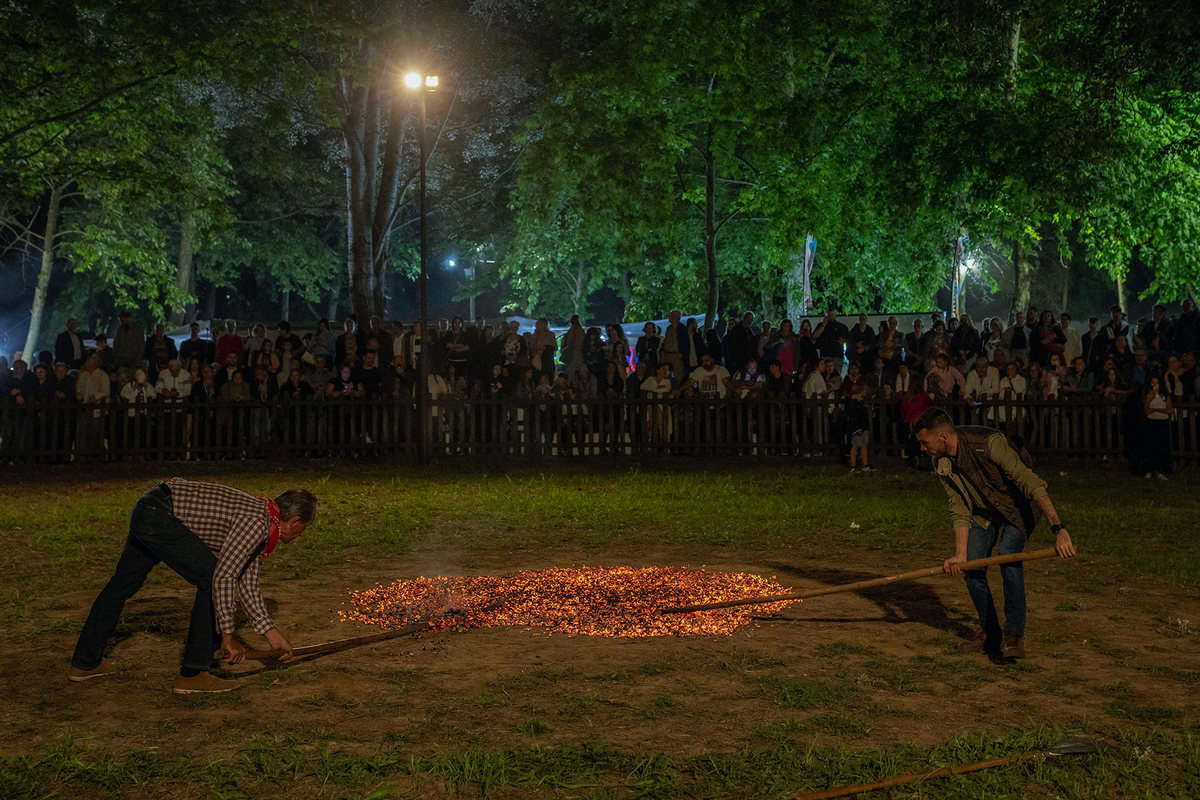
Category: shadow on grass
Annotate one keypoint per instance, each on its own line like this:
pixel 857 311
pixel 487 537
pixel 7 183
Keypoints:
pixel 908 602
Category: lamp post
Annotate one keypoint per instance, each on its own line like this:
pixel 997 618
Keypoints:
pixel 423 83
pixel 469 272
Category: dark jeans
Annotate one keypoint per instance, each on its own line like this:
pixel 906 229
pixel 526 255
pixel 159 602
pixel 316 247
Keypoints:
pixel 980 543
pixel 155 534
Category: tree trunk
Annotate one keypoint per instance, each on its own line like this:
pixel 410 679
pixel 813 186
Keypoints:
pixel 285 305
pixel 1022 275
pixel 625 290
pixel 1121 293
pixel 332 313
pixel 185 274
pixel 1066 283
pixel 578 301
pixel 1014 53
pixel 43 284
pixel 710 232
pixel 766 297
pixel 210 303
pixel 373 124
pixel 795 288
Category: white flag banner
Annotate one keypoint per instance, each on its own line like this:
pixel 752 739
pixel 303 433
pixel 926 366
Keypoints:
pixel 956 280
pixel 810 251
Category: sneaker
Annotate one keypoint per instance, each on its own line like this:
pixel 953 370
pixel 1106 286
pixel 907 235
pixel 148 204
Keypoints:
pixel 854 469
pixel 868 468
pixel 1162 477
pixel 1147 476
pixel 76 675
pixel 1014 646
pixel 205 682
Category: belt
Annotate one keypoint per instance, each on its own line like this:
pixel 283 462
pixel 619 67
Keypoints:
pixel 161 492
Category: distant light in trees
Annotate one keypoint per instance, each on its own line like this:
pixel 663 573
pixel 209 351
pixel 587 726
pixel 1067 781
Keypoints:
pixel 412 80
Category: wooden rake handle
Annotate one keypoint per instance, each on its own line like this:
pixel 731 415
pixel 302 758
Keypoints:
pixel 267 656
pixel 899 780
pixel 978 563
pixel 270 656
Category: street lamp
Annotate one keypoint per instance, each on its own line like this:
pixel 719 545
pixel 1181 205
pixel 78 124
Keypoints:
pixel 469 273
pixel 417 81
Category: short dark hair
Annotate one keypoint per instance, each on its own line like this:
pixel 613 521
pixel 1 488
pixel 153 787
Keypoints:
pixel 932 419
pixel 297 503
pixel 284 325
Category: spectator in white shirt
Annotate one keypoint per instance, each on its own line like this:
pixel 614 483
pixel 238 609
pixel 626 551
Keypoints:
pixel 983 382
pixel 711 380
pixel 173 383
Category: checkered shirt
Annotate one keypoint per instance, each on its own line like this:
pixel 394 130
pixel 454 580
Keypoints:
pixel 235 526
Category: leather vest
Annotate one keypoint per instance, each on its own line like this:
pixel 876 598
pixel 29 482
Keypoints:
pixel 975 465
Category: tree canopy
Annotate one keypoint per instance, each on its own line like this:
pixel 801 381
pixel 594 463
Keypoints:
pixel 669 154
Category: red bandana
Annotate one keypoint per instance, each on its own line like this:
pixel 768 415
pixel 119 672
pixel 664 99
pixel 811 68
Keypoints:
pixel 273 531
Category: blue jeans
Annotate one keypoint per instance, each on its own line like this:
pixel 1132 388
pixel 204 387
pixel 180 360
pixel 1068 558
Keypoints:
pixel 980 543
pixel 155 534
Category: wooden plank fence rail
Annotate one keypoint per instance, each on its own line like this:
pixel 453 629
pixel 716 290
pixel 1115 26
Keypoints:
pixel 62 432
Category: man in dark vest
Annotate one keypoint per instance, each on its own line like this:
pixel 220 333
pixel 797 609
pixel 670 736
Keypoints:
pixel 991 493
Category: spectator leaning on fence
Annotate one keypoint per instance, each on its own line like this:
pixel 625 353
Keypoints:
pixel 1110 363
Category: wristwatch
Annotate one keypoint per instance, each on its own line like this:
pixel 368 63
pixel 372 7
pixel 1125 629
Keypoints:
pixel 1056 528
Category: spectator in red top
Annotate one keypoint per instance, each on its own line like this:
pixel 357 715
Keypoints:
pixel 229 342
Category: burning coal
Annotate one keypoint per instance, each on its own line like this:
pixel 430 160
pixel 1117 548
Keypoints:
pixel 588 601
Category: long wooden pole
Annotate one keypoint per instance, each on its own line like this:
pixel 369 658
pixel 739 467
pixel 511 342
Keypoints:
pixel 843 791
pixel 358 641
pixel 337 644
pixel 867 584
pixel 1073 745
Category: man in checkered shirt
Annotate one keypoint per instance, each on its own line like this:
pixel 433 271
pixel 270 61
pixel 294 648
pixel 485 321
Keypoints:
pixel 215 537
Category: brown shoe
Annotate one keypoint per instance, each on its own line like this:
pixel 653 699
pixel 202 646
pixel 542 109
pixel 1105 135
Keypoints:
pixel 979 643
pixel 76 675
pixel 1014 646
pixel 205 682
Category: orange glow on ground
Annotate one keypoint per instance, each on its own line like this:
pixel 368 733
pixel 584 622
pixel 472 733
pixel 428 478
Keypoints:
pixel 584 601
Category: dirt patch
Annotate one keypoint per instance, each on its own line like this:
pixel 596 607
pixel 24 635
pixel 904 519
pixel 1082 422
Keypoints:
pixel 882 666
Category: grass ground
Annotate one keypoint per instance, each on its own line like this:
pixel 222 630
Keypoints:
pixel 843 689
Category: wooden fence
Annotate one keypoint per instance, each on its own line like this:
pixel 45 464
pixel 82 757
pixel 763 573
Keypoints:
pixel 59 432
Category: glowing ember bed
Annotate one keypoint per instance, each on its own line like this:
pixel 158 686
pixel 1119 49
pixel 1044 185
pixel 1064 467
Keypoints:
pixel 588 601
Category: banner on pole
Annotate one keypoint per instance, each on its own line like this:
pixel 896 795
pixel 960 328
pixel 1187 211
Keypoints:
pixel 957 279
pixel 810 251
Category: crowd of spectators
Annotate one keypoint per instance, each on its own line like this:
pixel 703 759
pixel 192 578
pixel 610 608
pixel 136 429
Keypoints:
pixel 1040 356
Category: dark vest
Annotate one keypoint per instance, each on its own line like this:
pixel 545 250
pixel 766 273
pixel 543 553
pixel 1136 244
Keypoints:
pixel 974 464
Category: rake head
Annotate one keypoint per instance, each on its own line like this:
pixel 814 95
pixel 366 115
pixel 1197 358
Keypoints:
pixel 1073 745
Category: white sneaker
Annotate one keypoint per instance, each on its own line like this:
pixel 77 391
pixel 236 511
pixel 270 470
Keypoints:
pixel 1162 477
